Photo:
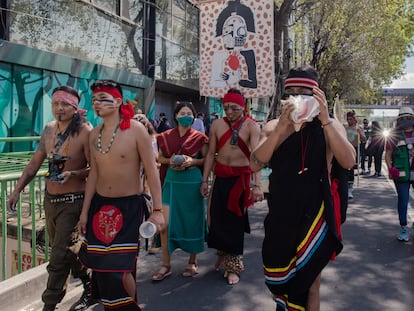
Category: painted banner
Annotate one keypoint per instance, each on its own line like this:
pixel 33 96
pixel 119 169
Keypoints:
pixel 236 47
pixel 27 261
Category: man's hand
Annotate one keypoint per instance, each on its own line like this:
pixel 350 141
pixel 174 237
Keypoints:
pixel 157 218
pixel 83 220
pixel 256 194
pixel 323 105
pixel 64 177
pixel 204 189
pixel 285 117
pixel 12 201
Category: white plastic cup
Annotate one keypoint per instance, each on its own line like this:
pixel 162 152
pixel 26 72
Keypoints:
pixel 147 229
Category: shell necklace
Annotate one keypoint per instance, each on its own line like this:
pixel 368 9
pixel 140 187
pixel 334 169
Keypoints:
pixel 99 144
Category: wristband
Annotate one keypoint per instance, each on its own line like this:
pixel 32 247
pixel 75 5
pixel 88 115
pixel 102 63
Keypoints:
pixel 326 124
pixel 257 161
pixel 157 209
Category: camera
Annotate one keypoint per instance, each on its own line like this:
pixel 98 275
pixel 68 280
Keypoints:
pixel 56 165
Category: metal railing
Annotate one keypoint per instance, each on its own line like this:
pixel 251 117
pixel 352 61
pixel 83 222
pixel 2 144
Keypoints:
pixel 22 225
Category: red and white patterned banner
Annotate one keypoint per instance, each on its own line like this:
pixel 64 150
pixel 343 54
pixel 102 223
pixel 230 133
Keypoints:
pixel 236 47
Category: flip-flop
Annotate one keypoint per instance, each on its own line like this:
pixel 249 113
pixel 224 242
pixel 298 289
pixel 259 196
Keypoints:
pixel 191 270
pixel 159 276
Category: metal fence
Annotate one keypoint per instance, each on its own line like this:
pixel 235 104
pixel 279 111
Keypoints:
pixel 24 241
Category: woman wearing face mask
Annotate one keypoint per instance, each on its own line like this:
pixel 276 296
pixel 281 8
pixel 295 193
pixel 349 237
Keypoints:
pixel 399 156
pixel 181 154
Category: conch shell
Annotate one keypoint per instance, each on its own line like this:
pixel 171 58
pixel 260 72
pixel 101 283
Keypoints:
pixel 306 108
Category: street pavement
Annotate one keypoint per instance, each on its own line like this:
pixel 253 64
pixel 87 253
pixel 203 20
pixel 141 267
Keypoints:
pixel 374 271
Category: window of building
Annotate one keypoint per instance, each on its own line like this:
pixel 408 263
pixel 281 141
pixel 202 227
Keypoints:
pixel 110 5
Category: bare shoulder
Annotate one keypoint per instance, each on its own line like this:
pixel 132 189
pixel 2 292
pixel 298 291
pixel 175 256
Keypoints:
pixel 216 125
pixel 85 129
pixel 138 127
pixel 252 123
pixel 49 128
pixel 93 134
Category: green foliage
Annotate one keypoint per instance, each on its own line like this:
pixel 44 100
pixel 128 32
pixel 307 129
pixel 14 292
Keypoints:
pixel 357 46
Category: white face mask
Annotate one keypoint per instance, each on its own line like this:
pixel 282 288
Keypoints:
pixel 306 108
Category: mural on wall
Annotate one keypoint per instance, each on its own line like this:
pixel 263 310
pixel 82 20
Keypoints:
pixel 236 48
pixel 25 102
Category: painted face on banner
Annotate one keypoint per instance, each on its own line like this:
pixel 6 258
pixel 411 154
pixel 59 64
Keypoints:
pixel 234 32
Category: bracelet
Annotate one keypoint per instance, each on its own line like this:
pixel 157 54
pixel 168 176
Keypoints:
pixel 157 209
pixel 326 124
pixel 257 161
pixel 257 186
pixel 72 173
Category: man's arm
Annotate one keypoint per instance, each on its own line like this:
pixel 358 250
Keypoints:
pixel 338 144
pixel 272 136
pixel 29 171
pixel 209 159
pixel 335 134
pixel 90 187
pixel 388 159
pixel 362 137
pixel 146 153
pixel 254 142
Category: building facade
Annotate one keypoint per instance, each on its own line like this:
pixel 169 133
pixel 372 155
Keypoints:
pixel 46 43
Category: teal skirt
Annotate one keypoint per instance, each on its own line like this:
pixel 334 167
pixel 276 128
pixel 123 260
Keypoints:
pixel 187 223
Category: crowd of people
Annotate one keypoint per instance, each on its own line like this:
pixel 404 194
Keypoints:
pixel 202 178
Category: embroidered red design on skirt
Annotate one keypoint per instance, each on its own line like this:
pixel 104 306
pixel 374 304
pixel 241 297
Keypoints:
pixel 106 223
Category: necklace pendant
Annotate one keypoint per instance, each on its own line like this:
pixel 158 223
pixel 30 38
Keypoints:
pixel 302 171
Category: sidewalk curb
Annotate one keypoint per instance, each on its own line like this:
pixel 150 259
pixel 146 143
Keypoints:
pixel 19 290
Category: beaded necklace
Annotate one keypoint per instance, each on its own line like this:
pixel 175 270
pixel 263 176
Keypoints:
pixel 99 144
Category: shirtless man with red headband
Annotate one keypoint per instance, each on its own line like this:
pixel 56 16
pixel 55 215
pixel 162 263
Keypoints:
pixel 114 206
pixel 231 140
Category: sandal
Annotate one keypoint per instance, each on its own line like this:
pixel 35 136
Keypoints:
pixel 191 270
pixel 164 272
pixel 232 278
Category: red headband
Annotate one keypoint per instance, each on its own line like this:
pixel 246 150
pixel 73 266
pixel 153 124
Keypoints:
pixel 234 98
pixel 127 112
pixel 351 115
pixel 108 89
pixel 300 82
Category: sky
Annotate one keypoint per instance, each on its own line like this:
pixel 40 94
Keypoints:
pixel 407 80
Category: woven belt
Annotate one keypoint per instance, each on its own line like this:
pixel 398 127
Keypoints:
pixel 65 198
